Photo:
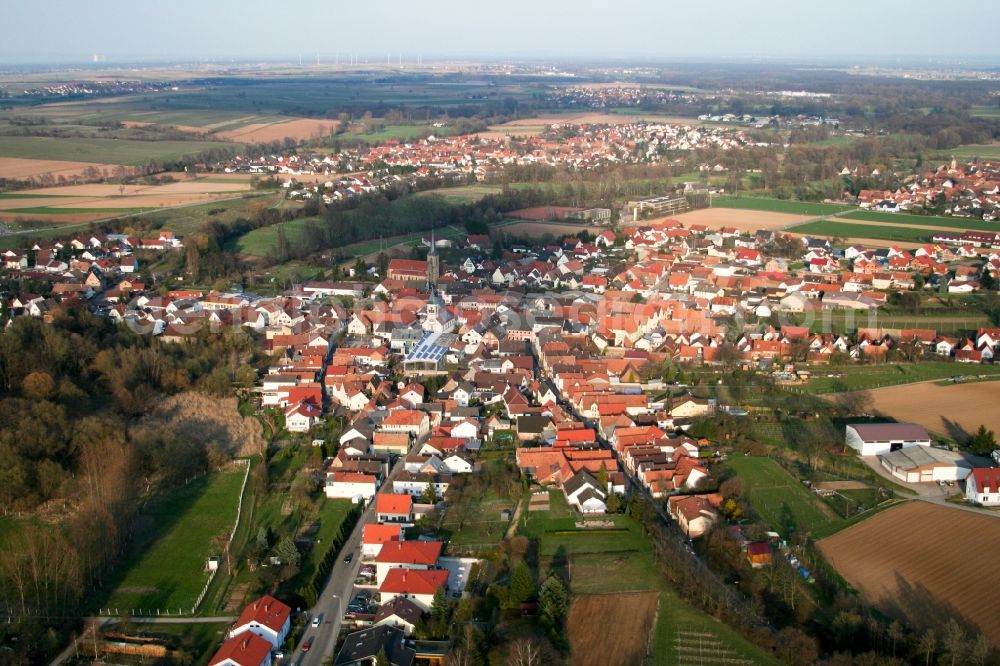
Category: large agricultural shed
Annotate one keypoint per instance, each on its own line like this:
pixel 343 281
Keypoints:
pixel 875 439
pixel 922 464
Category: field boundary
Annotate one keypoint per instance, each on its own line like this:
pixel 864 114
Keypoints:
pixel 229 541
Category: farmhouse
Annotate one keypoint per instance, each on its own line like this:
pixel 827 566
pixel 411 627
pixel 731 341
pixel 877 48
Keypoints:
pixel 873 439
pixel 983 486
pixel 923 464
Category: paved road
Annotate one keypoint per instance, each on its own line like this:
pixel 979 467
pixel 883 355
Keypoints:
pixel 336 593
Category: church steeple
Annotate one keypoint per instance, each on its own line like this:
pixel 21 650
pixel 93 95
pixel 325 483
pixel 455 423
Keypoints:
pixel 433 265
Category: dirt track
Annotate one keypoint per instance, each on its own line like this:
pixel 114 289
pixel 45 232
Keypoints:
pixel 611 629
pixel 922 562
pixel 934 407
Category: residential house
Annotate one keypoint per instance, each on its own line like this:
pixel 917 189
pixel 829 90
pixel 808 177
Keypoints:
pixel 267 617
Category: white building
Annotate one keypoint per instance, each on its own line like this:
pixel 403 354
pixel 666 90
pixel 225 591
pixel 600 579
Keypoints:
pixel 925 464
pixel 267 617
pixel 983 486
pixel 874 439
pixel 350 485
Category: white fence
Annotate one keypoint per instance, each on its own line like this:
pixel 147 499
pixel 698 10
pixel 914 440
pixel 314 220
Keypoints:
pixel 229 542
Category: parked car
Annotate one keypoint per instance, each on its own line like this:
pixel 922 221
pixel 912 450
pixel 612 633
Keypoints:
pixel 317 620
pixel 308 644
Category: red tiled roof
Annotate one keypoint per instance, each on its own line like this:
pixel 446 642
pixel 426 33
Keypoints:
pixel 246 649
pixel 393 503
pixel 375 533
pixel 266 611
pixel 411 552
pixel 413 581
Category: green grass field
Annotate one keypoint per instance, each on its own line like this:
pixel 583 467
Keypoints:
pixel 989 151
pixel 331 515
pixel 854 378
pixel 778 205
pixel 674 615
pixel 848 230
pixel 780 500
pixel 167 569
pixel 102 151
pixel 400 132
pixel 985 111
pixel 922 220
pixel 464 194
pixel 260 242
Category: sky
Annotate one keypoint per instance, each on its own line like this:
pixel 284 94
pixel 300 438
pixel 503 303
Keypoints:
pixel 66 31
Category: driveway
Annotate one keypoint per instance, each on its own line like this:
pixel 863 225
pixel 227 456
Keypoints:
pixel 929 492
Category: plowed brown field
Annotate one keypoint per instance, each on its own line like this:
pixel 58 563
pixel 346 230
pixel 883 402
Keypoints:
pixel 611 629
pixel 743 220
pixel 922 562
pixel 939 408
pixel 303 128
pixel 22 168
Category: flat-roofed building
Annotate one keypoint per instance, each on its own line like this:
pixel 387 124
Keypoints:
pixel 926 464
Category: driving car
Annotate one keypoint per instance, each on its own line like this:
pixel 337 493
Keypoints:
pixel 308 644
pixel 348 558
pixel 316 620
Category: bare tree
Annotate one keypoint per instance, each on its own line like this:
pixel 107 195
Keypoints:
pixel 927 646
pixel 524 652
pixel 954 642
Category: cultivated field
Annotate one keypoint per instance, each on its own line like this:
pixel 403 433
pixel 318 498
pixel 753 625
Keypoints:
pixel 741 219
pixel 16 168
pixel 101 151
pixel 924 221
pixel 596 641
pixel 81 203
pixel 781 500
pixel 464 194
pixel 852 230
pixel 877 376
pixel 551 228
pixel 941 408
pixel 302 128
pixel 921 562
pixel 537 124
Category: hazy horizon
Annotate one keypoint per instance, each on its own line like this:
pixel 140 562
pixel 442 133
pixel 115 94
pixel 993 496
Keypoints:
pixel 244 31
